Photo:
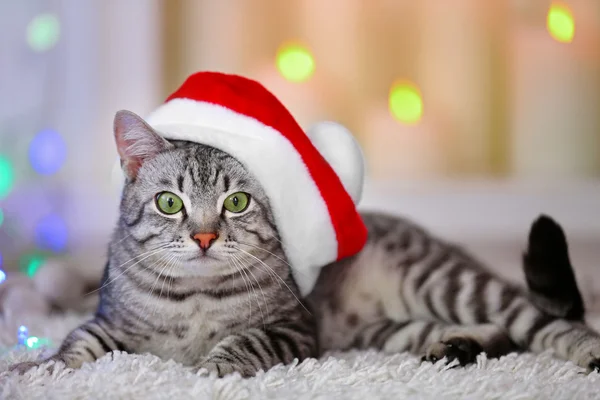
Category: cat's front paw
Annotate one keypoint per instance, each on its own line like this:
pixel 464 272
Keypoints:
pixel 594 365
pixel 223 368
pixel 588 358
pixel 463 349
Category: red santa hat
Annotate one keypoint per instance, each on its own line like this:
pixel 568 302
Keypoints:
pixel 313 180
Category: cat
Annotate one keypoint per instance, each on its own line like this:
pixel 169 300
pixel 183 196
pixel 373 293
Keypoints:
pixel 227 302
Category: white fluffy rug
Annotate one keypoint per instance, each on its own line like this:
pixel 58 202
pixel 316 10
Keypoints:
pixel 356 375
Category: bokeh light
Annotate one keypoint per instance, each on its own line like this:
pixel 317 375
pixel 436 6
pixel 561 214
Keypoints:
pixel 1 220
pixel 405 102
pixel 51 233
pixel 295 62
pixel 47 152
pixel 2 276
pixel 7 177
pixel 34 342
pixel 560 22
pixel 30 263
pixel 22 334
pixel 43 32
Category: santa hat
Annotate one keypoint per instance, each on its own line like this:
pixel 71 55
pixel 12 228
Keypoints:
pixel 313 180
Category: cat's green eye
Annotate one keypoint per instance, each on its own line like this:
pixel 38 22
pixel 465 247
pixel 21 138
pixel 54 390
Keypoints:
pixel 169 203
pixel 237 202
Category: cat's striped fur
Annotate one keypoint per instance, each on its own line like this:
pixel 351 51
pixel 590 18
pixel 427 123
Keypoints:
pixel 408 291
pixel 236 307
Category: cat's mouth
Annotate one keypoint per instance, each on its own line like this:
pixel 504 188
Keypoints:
pixel 203 257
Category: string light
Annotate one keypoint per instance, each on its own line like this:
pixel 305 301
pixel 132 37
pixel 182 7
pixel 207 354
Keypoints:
pixel 47 152
pixel 7 177
pixel 31 342
pixel 295 62
pixel 51 233
pixel 405 102
pixel 560 22
pixel 43 32
pixel 22 335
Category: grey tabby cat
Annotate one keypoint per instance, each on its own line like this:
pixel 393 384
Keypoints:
pixel 227 301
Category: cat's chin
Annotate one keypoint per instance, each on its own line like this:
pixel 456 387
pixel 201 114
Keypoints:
pixel 205 267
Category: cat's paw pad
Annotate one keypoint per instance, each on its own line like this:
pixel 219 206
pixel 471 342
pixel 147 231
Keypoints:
pixel 23 367
pixel 463 349
pixel 594 365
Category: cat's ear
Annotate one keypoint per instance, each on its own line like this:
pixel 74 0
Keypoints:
pixel 136 141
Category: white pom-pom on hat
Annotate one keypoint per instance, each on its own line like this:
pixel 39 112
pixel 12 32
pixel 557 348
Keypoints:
pixel 341 150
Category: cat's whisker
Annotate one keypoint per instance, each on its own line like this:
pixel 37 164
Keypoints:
pixel 124 237
pixel 286 285
pixel 170 264
pixel 262 292
pixel 147 254
pixel 265 250
pixel 271 273
pixel 167 262
pixel 171 277
pixel 232 258
pixel 280 242
pixel 147 302
pixel 245 271
pixel 273 254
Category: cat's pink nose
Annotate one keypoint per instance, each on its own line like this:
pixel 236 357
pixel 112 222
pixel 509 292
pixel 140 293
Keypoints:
pixel 205 240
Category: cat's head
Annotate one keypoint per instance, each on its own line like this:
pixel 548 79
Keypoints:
pixel 190 208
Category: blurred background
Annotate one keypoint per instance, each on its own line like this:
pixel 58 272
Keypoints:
pixel 474 116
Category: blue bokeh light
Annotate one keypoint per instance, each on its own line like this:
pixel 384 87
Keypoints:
pixel 47 152
pixel 2 276
pixel 22 334
pixel 51 233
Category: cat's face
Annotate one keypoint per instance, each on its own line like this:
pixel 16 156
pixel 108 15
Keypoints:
pixel 193 209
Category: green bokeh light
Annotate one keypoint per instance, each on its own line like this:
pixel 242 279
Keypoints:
pixel 7 177
pixel 29 264
pixel 295 63
pixel 43 32
pixel 406 104
pixel 560 23
pixel 1 217
pixel 34 342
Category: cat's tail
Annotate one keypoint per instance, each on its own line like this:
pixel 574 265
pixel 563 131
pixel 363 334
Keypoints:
pixel 549 273
pixel 551 316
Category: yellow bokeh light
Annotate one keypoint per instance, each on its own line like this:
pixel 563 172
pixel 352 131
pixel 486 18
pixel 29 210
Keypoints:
pixel 405 102
pixel 295 62
pixel 560 22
